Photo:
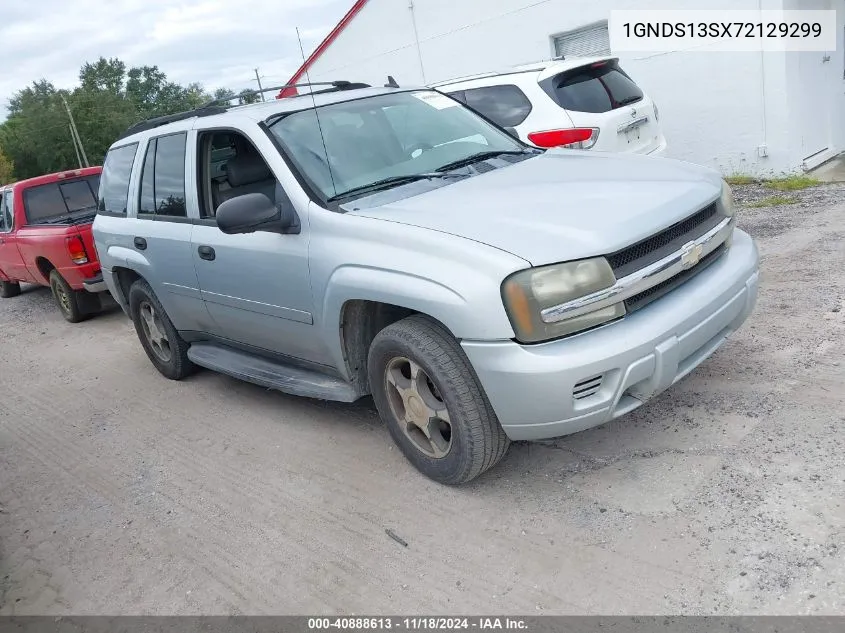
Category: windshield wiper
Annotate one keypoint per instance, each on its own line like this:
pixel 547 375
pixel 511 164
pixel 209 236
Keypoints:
pixel 387 183
pixel 480 156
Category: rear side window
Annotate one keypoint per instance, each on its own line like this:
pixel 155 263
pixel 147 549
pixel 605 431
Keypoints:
pixel 163 177
pixel 114 181
pixel 598 88
pixel 60 201
pixel 7 217
pixel 505 105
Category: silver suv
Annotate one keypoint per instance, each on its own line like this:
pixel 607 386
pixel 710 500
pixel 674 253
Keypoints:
pixel 390 241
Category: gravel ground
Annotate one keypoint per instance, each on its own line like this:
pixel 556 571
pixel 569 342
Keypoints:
pixel 124 493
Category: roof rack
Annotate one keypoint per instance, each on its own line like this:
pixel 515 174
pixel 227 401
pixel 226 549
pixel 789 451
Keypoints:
pixel 332 86
pixel 219 106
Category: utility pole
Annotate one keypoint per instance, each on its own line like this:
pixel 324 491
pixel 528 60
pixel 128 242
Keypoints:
pixel 258 79
pixel 74 132
pixel 75 147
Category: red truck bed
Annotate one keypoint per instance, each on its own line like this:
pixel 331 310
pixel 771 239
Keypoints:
pixel 45 239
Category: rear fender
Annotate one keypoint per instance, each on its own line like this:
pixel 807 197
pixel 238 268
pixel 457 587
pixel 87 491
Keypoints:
pixel 122 257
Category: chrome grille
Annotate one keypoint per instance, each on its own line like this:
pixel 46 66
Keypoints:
pixel 656 247
pixel 641 300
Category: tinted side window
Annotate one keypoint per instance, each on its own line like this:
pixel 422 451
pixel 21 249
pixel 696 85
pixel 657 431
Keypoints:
pixel 6 219
pixel 506 105
pixel 10 209
pixel 147 203
pixel 169 179
pixel 114 181
pixel 594 89
pixel 459 95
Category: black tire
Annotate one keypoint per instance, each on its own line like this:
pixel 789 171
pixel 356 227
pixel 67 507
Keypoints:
pixel 476 441
pixel 71 304
pixel 170 358
pixel 9 289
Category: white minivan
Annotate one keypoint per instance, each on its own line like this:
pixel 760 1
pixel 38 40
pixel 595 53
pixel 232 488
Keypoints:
pixel 579 103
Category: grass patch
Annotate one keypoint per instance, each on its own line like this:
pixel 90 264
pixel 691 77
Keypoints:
pixel 792 183
pixel 740 180
pixel 773 201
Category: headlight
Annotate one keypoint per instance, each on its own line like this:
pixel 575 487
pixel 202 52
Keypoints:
pixel 726 202
pixel 529 292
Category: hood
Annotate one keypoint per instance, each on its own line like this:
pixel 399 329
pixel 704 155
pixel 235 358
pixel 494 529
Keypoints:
pixel 559 206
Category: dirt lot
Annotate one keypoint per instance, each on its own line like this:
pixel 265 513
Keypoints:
pixel 123 492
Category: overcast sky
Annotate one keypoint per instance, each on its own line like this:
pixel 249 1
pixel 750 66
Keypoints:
pixel 215 42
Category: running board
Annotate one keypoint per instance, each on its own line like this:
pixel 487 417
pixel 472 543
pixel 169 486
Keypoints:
pixel 271 374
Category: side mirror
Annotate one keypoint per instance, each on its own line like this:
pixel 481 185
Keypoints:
pixel 256 212
pixel 512 131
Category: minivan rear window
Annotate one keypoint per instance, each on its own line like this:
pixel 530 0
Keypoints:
pixel 598 88
pixel 58 201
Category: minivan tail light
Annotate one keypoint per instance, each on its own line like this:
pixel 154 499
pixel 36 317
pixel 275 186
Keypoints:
pixel 573 138
pixel 76 250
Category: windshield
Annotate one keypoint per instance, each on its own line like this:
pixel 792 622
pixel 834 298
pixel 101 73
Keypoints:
pixel 386 137
pixel 59 200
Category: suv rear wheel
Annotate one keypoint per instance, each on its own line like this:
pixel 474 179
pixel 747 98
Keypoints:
pixel 165 348
pixel 427 394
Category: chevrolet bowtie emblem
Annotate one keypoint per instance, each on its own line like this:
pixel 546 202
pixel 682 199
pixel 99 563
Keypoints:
pixel 690 255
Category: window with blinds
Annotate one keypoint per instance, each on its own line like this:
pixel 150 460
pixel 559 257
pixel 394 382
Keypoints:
pixel 587 41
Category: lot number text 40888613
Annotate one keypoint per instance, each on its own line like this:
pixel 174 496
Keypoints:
pixel 417 624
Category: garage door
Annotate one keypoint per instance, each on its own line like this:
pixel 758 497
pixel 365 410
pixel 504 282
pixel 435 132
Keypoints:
pixel 587 41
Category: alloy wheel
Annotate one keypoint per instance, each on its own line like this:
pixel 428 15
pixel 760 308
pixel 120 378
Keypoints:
pixel 418 407
pixel 154 332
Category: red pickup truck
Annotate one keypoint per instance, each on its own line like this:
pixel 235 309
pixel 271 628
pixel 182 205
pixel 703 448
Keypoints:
pixel 45 239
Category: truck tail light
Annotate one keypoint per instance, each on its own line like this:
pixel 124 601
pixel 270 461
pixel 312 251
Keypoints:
pixel 76 250
pixel 573 138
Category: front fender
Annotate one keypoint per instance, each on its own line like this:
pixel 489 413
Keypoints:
pixel 427 296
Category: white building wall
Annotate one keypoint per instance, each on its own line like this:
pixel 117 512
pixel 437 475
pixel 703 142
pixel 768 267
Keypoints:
pixel 717 109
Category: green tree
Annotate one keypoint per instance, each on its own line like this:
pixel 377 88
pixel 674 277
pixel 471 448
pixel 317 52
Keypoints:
pixel 36 136
pixel 7 169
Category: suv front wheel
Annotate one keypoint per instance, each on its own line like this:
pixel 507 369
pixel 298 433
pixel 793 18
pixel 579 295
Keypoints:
pixel 427 394
pixel 165 348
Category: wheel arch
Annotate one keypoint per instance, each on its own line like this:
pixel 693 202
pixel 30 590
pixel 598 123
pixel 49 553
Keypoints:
pixel 360 302
pixel 45 267
pixel 124 277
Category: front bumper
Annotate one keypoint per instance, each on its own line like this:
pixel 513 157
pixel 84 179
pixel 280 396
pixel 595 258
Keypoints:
pixel 532 388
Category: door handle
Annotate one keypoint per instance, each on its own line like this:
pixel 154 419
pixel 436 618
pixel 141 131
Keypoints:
pixel 206 252
pixel 140 243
